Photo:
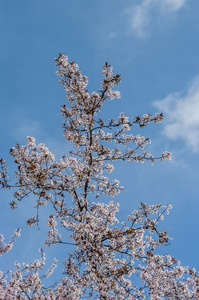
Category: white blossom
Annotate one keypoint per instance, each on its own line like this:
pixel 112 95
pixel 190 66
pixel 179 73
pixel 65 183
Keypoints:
pixel 108 255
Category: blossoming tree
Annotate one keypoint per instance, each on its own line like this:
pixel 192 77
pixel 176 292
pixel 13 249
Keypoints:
pixel 107 256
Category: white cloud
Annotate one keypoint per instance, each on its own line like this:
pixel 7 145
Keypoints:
pixel 181 112
pixel 172 5
pixel 140 18
pixel 141 15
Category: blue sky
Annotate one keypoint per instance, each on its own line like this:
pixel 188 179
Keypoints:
pixel 154 45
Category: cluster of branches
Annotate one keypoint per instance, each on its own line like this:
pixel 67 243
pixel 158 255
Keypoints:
pixel 108 256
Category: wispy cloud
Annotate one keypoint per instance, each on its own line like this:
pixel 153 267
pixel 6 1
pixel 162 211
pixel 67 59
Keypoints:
pixel 182 115
pixel 171 5
pixel 141 15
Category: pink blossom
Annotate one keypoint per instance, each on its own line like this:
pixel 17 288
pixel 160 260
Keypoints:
pixel 107 255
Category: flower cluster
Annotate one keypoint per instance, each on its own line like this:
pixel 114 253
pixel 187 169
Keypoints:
pixel 6 247
pixel 108 255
